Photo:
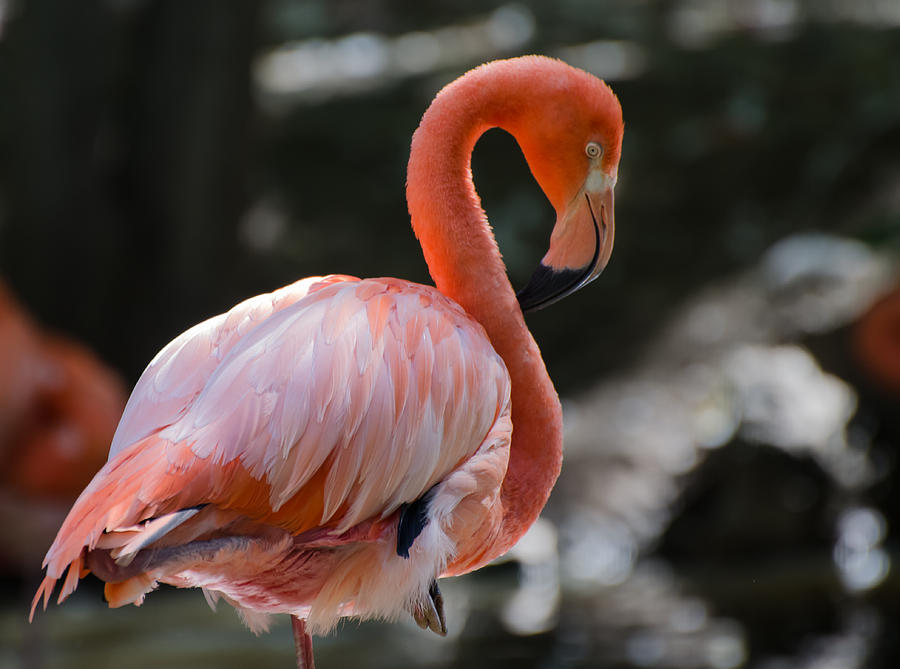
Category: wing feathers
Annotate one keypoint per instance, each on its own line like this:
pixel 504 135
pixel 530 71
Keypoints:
pixel 320 406
pixel 179 372
pixel 152 531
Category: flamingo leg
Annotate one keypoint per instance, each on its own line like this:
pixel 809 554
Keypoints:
pixel 430 616
pixel 303 644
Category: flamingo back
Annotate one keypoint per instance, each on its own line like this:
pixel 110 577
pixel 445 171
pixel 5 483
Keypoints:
pixel 321 411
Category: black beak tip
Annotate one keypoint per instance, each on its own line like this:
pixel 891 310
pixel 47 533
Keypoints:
pixel 547 286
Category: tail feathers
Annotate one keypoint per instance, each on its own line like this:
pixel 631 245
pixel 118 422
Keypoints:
pixel 45 590
pixel 75 573
pixel 152 530
pixel 124 546
pixel 113 501
pixel 131 591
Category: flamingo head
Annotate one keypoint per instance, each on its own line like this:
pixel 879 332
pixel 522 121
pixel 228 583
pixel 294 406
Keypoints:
pixel 572 141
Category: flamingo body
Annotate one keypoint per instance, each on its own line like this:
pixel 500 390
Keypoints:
pixel 304 419
pixel 332 448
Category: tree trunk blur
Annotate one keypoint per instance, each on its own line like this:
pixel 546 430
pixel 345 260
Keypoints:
pixel 132 131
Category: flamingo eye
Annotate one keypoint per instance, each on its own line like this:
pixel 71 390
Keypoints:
pixel 593 150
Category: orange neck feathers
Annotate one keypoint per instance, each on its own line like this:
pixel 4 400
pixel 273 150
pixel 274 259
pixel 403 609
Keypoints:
pixel 465 263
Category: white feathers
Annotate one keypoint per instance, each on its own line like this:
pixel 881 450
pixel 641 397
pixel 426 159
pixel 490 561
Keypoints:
pixel 151 531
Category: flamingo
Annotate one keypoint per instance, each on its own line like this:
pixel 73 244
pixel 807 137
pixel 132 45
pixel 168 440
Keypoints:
pixel 876 342
pixel 332 448
pixel 59 406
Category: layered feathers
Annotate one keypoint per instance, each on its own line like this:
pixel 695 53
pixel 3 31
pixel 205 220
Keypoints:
pixel 322 406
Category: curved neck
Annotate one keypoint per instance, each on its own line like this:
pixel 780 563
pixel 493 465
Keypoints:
pixel 464 261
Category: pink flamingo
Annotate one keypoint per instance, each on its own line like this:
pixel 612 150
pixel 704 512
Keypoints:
pixel 332 448
pixel 59 406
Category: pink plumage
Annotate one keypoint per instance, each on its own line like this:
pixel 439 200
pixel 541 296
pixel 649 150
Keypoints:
pixel 329 404
pixel 334 447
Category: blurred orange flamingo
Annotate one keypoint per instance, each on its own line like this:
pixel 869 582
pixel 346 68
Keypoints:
pixel 876 342
pixel 330 449
pixel 59 406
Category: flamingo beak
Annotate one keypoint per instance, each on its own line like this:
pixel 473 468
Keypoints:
pixel 580 246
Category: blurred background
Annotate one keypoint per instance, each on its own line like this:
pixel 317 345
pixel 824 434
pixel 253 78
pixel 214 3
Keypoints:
pixel 731 382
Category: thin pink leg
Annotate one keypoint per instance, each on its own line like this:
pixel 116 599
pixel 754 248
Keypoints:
pixel 303 644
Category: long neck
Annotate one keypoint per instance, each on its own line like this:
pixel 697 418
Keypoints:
pixel 465 264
